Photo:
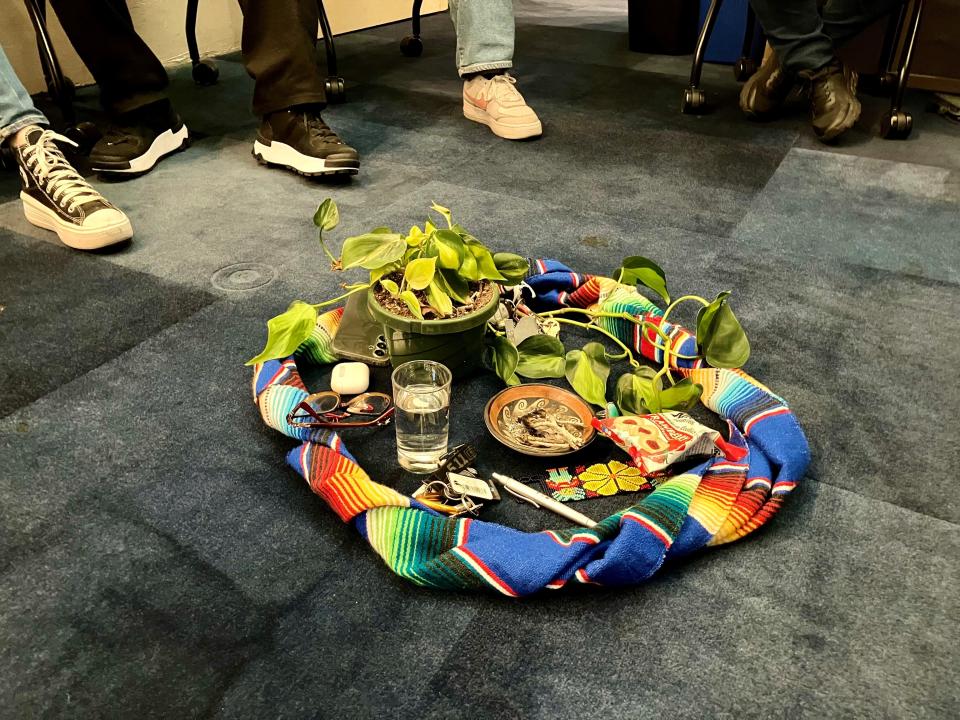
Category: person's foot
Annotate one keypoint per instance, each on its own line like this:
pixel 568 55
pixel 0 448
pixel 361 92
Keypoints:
pixel 496 103
pixel 765 92
pixel 56 197
pixel 298 139
pixel 138 140
pixel 834 104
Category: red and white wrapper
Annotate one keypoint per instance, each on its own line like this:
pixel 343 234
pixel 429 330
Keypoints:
pixel 657 441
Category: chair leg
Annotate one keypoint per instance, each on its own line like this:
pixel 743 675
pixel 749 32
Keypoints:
pixel 898 124
pixel 694 101
pixel 334 84
pixel 205 72
pixel 61 89
pixel 747 65
pixel 412 45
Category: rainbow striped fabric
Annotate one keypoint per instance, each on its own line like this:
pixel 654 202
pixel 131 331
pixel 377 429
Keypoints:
pixel 717 502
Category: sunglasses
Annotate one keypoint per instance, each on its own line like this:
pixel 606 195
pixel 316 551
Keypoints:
pixel 327 409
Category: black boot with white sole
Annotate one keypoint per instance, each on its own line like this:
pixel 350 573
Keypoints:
pixel 298 139
pixel 139 140
pixel 56 197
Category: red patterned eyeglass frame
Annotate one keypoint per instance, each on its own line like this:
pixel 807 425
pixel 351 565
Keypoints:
pixel 328 410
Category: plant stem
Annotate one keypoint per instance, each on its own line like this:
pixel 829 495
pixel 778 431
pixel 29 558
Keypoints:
pixel 365 286
pixel 333 260
pixel 626 354
pixel 671 306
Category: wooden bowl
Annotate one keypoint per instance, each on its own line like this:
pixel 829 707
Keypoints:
pixel 556 401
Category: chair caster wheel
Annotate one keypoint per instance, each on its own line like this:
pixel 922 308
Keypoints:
pixel 85 135
pixel 411 46
pixel 205 73
pixel 694 101
pixel 336 92
pixel 896 126
pixel 744 68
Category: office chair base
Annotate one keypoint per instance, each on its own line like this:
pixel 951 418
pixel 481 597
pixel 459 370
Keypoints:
pixel 896 126
pixel 205 72
pixel 335 90
pixel 694 101
pixel 744 68
pixel 411 46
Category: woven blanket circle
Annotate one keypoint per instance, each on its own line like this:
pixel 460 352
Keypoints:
pixel 714 503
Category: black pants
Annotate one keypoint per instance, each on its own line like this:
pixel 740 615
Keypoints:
pixel 278 44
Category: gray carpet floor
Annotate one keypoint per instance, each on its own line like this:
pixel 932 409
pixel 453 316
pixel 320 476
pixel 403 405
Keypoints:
pixel 158 559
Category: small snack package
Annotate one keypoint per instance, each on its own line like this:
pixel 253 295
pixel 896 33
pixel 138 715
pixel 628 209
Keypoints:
pixel 656 441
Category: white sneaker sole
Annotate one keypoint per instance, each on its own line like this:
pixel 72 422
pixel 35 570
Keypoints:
pixel 282 155
pixel 504 130
pixel 167 142
pixel 76 237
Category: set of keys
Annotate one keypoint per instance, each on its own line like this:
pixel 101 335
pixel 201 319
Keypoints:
pixel 455 488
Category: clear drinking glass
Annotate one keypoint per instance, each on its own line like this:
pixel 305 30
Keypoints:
pixel 421 394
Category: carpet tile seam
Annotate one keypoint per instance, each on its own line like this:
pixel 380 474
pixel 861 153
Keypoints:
pixel 889 503
pixel 9 416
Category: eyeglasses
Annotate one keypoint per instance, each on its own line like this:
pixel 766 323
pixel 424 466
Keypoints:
pixel 328 409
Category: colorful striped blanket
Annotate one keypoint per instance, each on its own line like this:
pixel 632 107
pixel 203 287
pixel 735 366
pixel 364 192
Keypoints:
pixel 716 502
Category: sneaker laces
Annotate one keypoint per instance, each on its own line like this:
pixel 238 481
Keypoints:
pixel 319 129
pixel 46 161
pixel 503 87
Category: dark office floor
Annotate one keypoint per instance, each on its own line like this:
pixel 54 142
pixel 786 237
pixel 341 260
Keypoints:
pixel 158 558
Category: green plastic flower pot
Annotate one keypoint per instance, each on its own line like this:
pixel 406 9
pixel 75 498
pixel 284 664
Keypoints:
pixel 456 342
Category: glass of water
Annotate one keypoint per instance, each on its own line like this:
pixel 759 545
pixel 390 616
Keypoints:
pixel 421 394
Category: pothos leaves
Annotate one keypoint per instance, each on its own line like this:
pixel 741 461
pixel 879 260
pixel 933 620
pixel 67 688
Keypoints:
pixel 639 392
pixel 287 331
pixel 587 371
pixel 502 357
pixel 638 269
pixel 541 356
pixel 720 338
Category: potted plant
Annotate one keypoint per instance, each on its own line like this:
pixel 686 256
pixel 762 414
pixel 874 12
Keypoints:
pixel 433 290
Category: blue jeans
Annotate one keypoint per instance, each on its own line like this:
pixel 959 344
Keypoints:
pixel 805 37
pixel 16 107
pixel 484 34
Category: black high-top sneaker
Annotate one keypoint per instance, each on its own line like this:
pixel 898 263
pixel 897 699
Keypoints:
pixel 138 140
pixel 833 99
pixel 299 139
pixel 56 197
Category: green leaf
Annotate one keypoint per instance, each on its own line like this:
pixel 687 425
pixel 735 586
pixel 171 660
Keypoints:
pixel 411 302
pixel 443 211
pixel 468 269
pixel 287 331
pixel 512 267
pixel 638 269
pixel 501 356
pixel 327 216
pixel 587 371
pixel 541 356
pixel 384 270
pixel 453 285
pixel 720 338
pixel 638 391
pixel 390 286
pixel 372 250
pixel 682 396
pixel 485 265
pixel 438 299
pixel 450 249
pixel 415 237
pixel 419 272
pixel 428 227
